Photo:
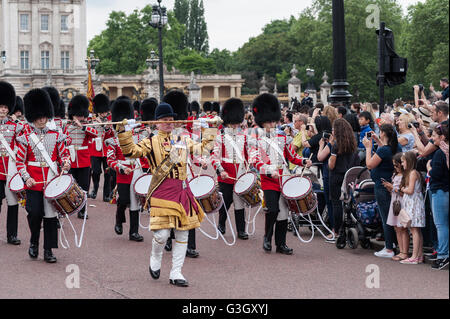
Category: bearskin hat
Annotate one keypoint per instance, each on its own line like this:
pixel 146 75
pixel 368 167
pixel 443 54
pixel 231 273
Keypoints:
pixel 179 103
pixel 101 103
pixel 207 106
pixel 195 107
pixel 266 108
pixel 19 106
pixel 61 110
pixel 137 106
pixel 122 109
pixel 7 95
pixel 216 107
pixel 148 108
pixel 233 112
pixel 54 96
pixel 37 103
pixel 79 106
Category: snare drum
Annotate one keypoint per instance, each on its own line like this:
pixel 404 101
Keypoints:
pixel 206 192
pixel 299 195
pixel 247 188
pixel 65 195
pixel 17 186
pixel 141 187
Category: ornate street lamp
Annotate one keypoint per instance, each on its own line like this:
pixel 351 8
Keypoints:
pixel 158 20
pixel 92 61
pixel 153 61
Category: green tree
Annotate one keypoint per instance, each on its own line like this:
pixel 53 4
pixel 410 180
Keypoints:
pixel 197 33
pixel 181 12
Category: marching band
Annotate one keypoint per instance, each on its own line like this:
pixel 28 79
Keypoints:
pixel 148 165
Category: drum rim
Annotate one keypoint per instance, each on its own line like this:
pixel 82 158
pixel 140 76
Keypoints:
pixel 55 197
pixel 134 186
pixel 234 187
pixel 296 198
pixel 207 194
pixel 19 190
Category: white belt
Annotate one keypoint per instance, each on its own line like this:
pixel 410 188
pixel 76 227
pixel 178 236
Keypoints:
pixel 38 164
pixel 80 148
pixel 128 162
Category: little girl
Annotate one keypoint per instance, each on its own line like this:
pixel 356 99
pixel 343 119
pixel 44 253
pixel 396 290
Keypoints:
pixel 413 204
pixel 394 188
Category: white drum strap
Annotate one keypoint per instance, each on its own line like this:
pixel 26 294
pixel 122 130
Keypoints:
pixel 276 148
pixel 251 221
pixel 7 147
pixel 235 148
pixel 44 153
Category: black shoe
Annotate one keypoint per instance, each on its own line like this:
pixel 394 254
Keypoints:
pixel 285 250
pixel 179 282
pixel 168 246
pixel 106 199
pixel 81 215
pixel 33 251
pixel 118 229
pixel 267 246
pixel 13 240
pixel 136 237
pixel 154 274
pixel 242 235
pixel 222 229
pixel 439 264
pixel 48 256
pixel 192 253
pixel 93 195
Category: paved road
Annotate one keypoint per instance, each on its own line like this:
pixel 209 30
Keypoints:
pixel 111 266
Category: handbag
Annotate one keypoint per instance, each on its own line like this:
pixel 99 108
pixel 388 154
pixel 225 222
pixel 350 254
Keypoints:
pixel 404 218
pixel 396 207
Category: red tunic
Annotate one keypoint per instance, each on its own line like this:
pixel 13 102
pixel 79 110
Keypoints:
pixel 117 161
pixel 80 138
pixel 10 130
pixel 28 155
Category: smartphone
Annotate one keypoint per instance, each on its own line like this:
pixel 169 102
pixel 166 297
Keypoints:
pixel 369 135
pixel 383 180
pixel 308 127
pixel 326 135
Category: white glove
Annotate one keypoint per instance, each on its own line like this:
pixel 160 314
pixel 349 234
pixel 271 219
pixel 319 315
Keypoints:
pixel 131 124
pixel 203 123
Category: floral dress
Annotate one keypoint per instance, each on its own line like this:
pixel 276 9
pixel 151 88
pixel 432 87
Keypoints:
pixel 414 205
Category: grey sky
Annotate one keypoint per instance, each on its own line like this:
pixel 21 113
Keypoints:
pixel 230 22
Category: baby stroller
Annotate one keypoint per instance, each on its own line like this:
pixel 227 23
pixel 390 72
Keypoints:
pixel 361 217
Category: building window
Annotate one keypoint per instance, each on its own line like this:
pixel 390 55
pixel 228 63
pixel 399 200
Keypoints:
pixel 44 22
pixel 65 60
pixel 65 23
pixel 24 22
pixel 45 60
pixel 24 60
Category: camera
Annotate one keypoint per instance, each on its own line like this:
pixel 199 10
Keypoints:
pixel 308 127
pixel 416 124
pixel 326 135
pixel 369 134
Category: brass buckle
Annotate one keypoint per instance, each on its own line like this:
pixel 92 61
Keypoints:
pixel 43 164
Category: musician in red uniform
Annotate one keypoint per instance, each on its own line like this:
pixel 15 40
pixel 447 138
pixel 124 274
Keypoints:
pixel 18 113
pixel 78 139
pixel 195 111
pixel 9 130
pixel 127 172
pixel 268 154
pixel 56 122
pixel 97 147
pixel 41 155
pixel 229 159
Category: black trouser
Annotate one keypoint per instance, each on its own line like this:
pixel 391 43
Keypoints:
pixel 272 198
pixel 35 208
pixel 96 165
pixel 122 204
pixel 12 213
pixel 336 180
pixel 191 238
pixel 82 176
pixel 112 175
pixel 227 193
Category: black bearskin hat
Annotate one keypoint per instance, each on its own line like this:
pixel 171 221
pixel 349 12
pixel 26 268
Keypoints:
pixel 137 106
pixel 122 109
pixel 37 104
pixel 54 96
pixel 101 103
pixel 216 107
pixel 19 106
pixel 266 108
pixel 207 107
pixel 148 108
pixel 61 110
pixel 7 95
pixel 179 103
pixel 195 107
pixel 233 112
pixel 79 106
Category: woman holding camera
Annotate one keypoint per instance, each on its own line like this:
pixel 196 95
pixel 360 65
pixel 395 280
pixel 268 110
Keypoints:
pixel 406 137
pixel 343 156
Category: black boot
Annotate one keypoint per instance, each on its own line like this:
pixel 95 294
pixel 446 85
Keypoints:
pixel 168 246
pixel 280 237
pixel 270 220
pixel 48 256
pixel 11 225
pixel 120 218
pixel 222 220
pixel 33 251
pixel 240 224
pixel 82 213
pixel 93 195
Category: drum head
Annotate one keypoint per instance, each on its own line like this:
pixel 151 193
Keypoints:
pixel 16 183
pixel 202 185
pixel 244 183
pixel 142 184
pixel 296 187
pixel 58 186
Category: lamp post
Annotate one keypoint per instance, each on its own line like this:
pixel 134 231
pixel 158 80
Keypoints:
pixel 310 73
pixel 3 55
pixel 158 20
pixel 92 61
pixel 153 61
